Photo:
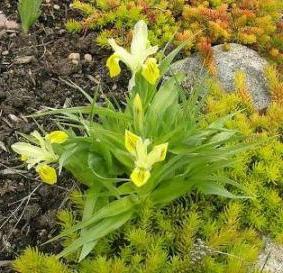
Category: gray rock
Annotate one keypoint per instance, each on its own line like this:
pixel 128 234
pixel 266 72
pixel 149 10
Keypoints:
pixel 239 57
pixel 271 259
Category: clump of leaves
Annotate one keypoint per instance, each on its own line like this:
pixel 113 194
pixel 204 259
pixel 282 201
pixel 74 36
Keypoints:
pixel 29 11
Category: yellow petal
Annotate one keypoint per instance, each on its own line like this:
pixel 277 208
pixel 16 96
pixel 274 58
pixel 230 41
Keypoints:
pixel 158 153
pixel 140 176
pixel 47 174
pixel 113 65
pixel 150 70
pixel 57 137
pixel 24 157
pixel 131 141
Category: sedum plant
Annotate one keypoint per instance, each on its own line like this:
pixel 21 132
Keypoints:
pixel 152 150
pixel 34 262
pixel 254 23
pixel 29 11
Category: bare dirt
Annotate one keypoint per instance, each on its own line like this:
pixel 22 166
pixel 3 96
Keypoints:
pixel 34 69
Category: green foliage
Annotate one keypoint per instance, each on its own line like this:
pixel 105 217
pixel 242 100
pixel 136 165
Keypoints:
pixel 198 234
pixel 275 84
pixel 154 150
pixel 109 204
pixel 31 261
pixel 260 171
pixel 29 11
pixel 183 237
pixel 254 23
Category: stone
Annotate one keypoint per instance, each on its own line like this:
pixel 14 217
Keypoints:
pixel 56 7
pixel 239 57
pixel 74 56
pixel 88 58
pixel 271 258
pixel 5 23
pixel 24 60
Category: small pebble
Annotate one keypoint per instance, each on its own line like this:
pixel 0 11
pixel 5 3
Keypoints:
pixel 88 58
pixel 62 31
pixel 14 118
pixel 5 52
pixel 56 7
pixel 74 56
pixel 114 87
pixel 24 60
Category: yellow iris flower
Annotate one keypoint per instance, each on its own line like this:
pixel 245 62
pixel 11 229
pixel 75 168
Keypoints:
pixel 41 154
pixel 144 161
pixel 136 59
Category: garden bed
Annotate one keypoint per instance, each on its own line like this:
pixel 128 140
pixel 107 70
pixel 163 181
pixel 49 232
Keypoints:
pixel 27 219
pixel 105 148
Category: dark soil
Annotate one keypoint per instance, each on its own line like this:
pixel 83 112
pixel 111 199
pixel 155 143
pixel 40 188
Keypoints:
pixel 30 219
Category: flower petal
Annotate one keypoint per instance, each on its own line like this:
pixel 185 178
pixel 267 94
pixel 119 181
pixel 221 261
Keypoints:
pixel 150 71
pixel 140 176
pixel 140 47
pixel 123 54
pixel 113 65
pixel 33 154
pixel 158 153
pixel 39 139
pixel 151 50
pixel 131 141
pixel 140 38
pixel 47 174
pixel 26 149
pixel 57 137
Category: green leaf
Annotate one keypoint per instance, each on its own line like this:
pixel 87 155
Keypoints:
pixel 71 149
pixel 115 208
pixel 167 95
pixel 89 109
pixel 91 199
pixel 166 62
pixel 217 189
pixel 29 11
pixel 170 190
pixel 98 231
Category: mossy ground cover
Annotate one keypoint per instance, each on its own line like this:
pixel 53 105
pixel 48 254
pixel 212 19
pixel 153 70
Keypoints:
pixel 205 23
